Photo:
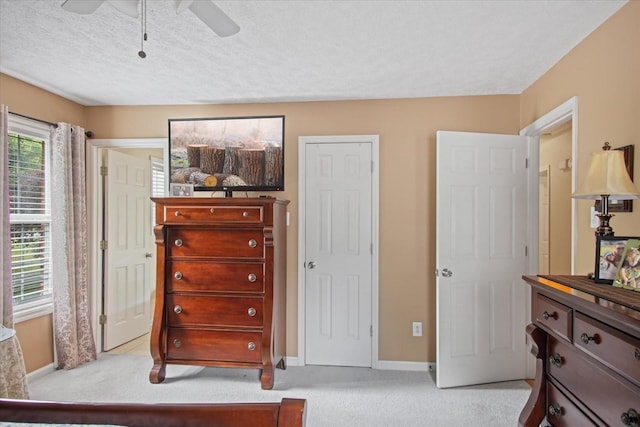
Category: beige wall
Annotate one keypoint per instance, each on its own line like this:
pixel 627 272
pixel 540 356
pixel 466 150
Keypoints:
pixel 407 189
pixel 23 98
pixel 36 341
pixel 603 71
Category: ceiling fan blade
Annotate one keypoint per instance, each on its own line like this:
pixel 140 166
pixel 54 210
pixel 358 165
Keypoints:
pixel 214 17
pixel 83 7
pixel 128 7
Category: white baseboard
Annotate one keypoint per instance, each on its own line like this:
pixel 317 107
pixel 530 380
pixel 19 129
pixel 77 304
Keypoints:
pixel 393 365
pixel 39 373
pixel 390 365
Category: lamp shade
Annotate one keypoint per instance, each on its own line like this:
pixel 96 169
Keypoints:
pixel 607 175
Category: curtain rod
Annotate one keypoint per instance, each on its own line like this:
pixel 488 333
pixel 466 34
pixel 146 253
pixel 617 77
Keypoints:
pixel 88 133
pixel 33 118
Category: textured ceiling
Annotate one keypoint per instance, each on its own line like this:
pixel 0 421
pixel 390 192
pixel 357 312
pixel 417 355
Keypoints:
pixel 293 50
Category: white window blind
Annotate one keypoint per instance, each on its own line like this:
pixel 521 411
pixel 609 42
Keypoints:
pixel 30 214
pixel 157 184
pixel 157 177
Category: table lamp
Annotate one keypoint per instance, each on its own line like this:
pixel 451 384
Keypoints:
pixel 607 178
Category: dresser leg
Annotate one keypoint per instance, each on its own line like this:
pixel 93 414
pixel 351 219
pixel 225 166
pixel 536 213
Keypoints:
pixel 535 409
pixel 266 378
pixel 157 373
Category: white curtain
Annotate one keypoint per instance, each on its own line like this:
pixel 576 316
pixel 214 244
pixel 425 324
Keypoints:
pixel 13 382
pixel 73 336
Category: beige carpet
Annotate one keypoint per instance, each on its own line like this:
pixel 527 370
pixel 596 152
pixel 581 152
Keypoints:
pixel 335 396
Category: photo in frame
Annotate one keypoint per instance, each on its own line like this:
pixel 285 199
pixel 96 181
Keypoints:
pixel 628 272
pixel 181 190
pixel 609 252
pixel 621 205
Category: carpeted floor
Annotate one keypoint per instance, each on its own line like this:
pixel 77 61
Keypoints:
pixel 336 396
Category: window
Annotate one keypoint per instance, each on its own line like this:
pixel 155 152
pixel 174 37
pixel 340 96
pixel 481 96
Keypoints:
pixel 30 217
pixel 157 184
pixel 157 177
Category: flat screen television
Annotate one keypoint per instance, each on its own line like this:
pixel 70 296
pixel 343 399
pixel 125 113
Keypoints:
pixel 227 154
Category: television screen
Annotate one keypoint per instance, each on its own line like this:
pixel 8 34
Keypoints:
pixel 227 154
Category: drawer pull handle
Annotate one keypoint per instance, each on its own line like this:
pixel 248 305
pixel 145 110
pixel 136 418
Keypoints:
pixel 178 242
pixel 177 309
pixel 586 338
pixel 556 360
pixel 546 315
pixel 251 346
pixel 630 418
pixel 252 278
pixel 245 214
pixel 177 343
pixel 177 213
pixel 178 275
pixel 555 411
pixel 636 354
pixel 251 312
pixel 253 243
pixel 212 210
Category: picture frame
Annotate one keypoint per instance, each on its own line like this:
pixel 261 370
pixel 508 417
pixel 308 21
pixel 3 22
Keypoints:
pixel 609 253
pixel 181 190
pixel 628 272
pixel 622 205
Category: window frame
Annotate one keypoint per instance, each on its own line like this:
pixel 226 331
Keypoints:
pixel 36 130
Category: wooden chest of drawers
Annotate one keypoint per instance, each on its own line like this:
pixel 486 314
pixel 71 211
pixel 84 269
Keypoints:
pixel 220 293
pixel 586 339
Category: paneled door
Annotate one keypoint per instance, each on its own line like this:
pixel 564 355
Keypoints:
pixel 338 266
pixel 481 234
pixel 128 257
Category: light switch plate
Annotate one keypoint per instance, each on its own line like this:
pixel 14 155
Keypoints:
pixel 595 222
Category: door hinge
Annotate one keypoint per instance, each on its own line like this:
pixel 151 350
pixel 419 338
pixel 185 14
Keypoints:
pixel 104 245
pixel 103 319
pixel 104 170
pixel 526 163
pixel 372 167
pixel 371 330
pixel 526 251
pixel 371 248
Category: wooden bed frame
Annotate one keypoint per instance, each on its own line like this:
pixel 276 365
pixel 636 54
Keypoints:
pixel 287 413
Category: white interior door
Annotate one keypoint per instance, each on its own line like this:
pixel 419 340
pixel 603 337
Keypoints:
pixel 481 234
pixel 338 248
pixel 128 257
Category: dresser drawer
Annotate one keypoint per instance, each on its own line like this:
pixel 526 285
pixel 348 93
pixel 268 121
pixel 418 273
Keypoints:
pixel 183 310
pixel 211 345
pixel 206 242
pixel 553 315
pixel 200 276
pixel 562 412
pixel 613 348
pixel 605 394
pixel 234 214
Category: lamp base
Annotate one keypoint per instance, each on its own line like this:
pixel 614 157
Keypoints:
pixel 604 229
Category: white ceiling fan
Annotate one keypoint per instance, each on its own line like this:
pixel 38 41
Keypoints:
pixel 205 10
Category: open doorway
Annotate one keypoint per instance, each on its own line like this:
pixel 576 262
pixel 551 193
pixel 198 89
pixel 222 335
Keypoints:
pixel 146 151
pixel 555 200
pixel 565 114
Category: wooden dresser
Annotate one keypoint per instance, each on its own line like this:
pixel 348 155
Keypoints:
pixel 586 339
pixel 220 293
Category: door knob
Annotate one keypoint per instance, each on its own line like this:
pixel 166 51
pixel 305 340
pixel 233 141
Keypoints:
pixel 148 255
pixel 447 273
pixel 311 264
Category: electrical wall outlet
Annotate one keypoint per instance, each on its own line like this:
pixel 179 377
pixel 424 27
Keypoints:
pixel 417 329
